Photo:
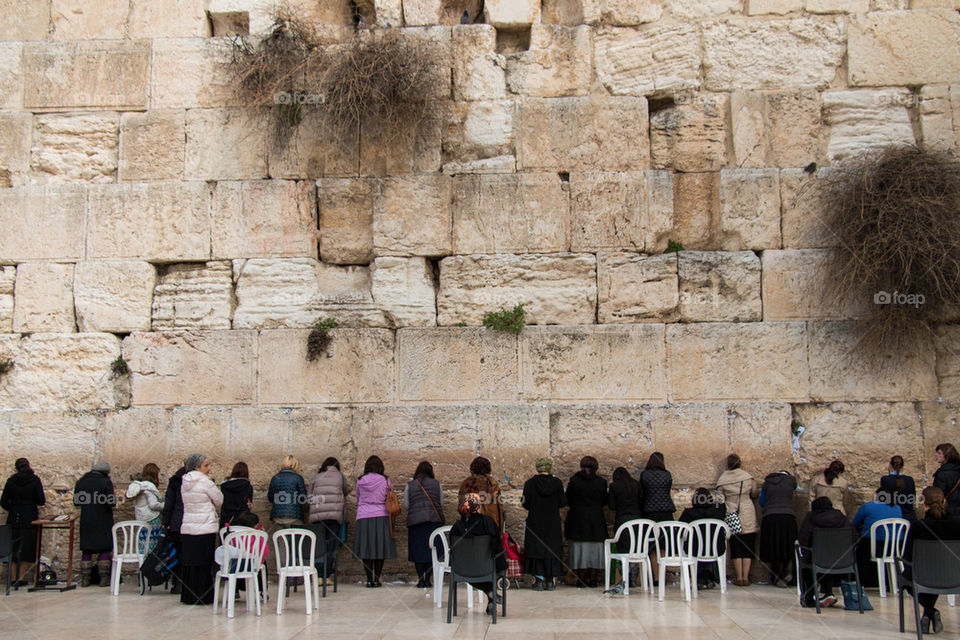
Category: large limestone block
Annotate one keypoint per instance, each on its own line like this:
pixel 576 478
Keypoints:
pixel 747 129
pixel 696 209
pixel 731 361
pixel 345 208
pixel 558 63
pixel 774 54
pixel 805 219
pixel 192 367
pixel 210 428
pixel 554 288
pixel 357 367
pixel 75 148
pixel 717 286
pixel 675 426
pixel 628 211
pixel 904 48
pixel 11 75
pixel 636 288
pixel 948 360
pixel 623 13
pixel 16 131
pixel 411 216
pixel 168 19
pixel 113 295
pixel 781 7
pixel 794 127
pixel 57 371
pixel 261 219
pixel 479 130
pixel 639 62
pixel 862 435
pixel 65 441
pixel 511 13
pixel 698 9
pixel 939 109
pixel 589 134
pixel 691 134
pixel 152 145
pixel 422 12
pixel 226 144
pixel 863 120
pixel 191 72
pixel 514 436
pixel 457 364
pixel 53 230
pixel 796 286
pixel 317 431
pixel 44 298
pixel 311 152
pixel 939 420
pixel 750 209
pixel 618 435
pixel 8 276
pixel 109 74
pixel 760 434
pixel 24 19
pixel 410 149
pixel 593 363
pixel 517 213
pixel 157 221
pixel 478 70
pixel 130 438
pixel 843 367
pixel 80 20
pixel 404 289
pixel 837 6
pixel 193 296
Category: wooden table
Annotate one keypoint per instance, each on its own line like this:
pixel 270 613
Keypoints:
pixel 69 523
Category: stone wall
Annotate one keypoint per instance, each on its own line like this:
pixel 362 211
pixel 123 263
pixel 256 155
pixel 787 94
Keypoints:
pixel 146 215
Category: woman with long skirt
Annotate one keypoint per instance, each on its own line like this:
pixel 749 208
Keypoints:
pixel 373 541
pixel 201 499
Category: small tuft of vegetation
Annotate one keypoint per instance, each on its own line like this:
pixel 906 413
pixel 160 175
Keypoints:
pixel 510 320
pixel 119 368
pixel 673 247
pixel 320 338
pixel 6 366
pixel 796 427
pixel 460 324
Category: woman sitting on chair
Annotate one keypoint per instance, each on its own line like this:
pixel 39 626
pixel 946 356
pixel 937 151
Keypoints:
pixel 936 525
pixel 474 523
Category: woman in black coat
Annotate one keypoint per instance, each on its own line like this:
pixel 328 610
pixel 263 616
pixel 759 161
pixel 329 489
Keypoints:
pixel 171 518
pixel 655 485
pixel 237 494
pixel 585 527
pixel 473 523
pixel 22 498
pixel 902 488
pixel 543 498
pixel 947 477
pixel 94 495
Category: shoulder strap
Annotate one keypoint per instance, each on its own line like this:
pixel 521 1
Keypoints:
pixel 739 495
pixel 950 493
pixel 437 511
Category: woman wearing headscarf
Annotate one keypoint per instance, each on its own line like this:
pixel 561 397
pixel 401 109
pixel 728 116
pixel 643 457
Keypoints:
pixel 22 498
pixel 481 483
pixel 423 502
pixel 373 540
pixel 201 499
pixel 624 500
pixel 586 527
pixel 94 495
pixel 473 522
pixel 543 497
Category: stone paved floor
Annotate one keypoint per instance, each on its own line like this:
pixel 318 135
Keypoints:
pixel 402 611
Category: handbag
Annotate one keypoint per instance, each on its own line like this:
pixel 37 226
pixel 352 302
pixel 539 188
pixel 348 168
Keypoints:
pixel 392 503
pixel 733 519
pixel 851 599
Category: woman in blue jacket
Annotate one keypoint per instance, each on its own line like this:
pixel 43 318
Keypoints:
pixel 287 494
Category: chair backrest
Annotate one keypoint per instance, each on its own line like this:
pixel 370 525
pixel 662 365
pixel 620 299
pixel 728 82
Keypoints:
pixel 440 546
pixel 295 548
pixel 834 549
pixel 129 538
pixel 707 534
pixel 673 539
pixel 640 533
pixel 936 565
pixel 320 535
pixel 251 544
pixel 470 556
pixel 224 530
pixel 892 543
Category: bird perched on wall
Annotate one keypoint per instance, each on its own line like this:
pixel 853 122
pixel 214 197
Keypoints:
pixel 465 18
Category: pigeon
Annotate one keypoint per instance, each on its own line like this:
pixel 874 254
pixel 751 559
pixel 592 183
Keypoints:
pixel 615 590
pixel 465 18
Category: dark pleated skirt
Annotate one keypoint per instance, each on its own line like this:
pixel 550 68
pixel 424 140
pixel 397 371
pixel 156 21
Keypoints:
pixel 197 571
pixel 544 567
pixel 742 545
pixel 418 542
pixel 372 541
pixel 777 537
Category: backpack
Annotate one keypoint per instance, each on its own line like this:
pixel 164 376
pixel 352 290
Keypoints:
pixel 158 566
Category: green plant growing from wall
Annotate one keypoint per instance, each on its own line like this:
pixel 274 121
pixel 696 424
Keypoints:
pixel 119 368
pixel 509 320
pixel 6 366
pixel 673 247
pixel 319 339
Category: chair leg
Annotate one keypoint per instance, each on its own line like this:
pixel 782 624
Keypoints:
pixel 900 607
pixel 722 570
pixel 115 576
pixel 625 572
pixel 216 592
pixel 856 574
pixel 916 614
pixel 325 572
pixel 316 590
pixel 438 586
pixel 663 579
pixel 493 595
pixel 308 592
pixel 816 590
pixel 470 596
pixel 231 593
pixel 451 598
pixel 282 593
pixel 882 577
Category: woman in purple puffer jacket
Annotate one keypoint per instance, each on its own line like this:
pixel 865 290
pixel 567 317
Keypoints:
pixel 373 539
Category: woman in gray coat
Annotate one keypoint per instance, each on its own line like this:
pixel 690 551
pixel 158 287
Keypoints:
pixel 778 528
pixel 326 500
pixel 423 502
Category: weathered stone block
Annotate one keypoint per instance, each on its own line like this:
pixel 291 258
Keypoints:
pixel 410 149
pixel 637 288
pixel 516 435
pixel 168 19
pixel 226 144
pixel 675 425
pixel 757 7
pixel 624 13
pixel 948 360
pixel 619 435
pixel 697 9
pixel 639 62
pixel 11 75
pixel 593 363
pixel 258 15
pixel 52 231
pixel 152 145
pixel 750 54
pixel 690 135
pixel 113 295
pixel 24 19
pixel 717 286
pixel 75 148
pixel 129 438
pixel 44 298
pixel 191 72
pixel 554 289
pixel 457 364
pixel 517 213
pixel 730 361
pixel 842 368
pixel 747 129
pixel 357 367
pixel 315 431
pixel 903 48
pixel 939 108
pixel 558 63
pixel 65 440
pixel 837 6
pixel 389 13
pixel 193 296
pixel 939 420
pixel 422 12
pixel 79 20
pixel 477 130
pixel 311 152
pixel 750 209
pixel 8 276
pixel 411 216
pixel 346 220
pixel 589 134
pixel 264 219
pixel 805 220
pixel 404 289
pixel 511 13
pixel 864 120
pixel 608 211
pixel 111 74
pixel 760 434
pixel 192 368
pixel 478 70
pixel 797 286
pixel 15 137
pixel 794 127
pixel 158 222
pixel 696 209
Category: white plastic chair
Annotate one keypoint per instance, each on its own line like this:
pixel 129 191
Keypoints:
pixel 440 543
pixel 884 552
pixel 673 550
pixel 130 541
pixel 224 531
pixel 246 547
pixel 706 534
pixel 640 533
pixel 296 558
pixel 952 600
